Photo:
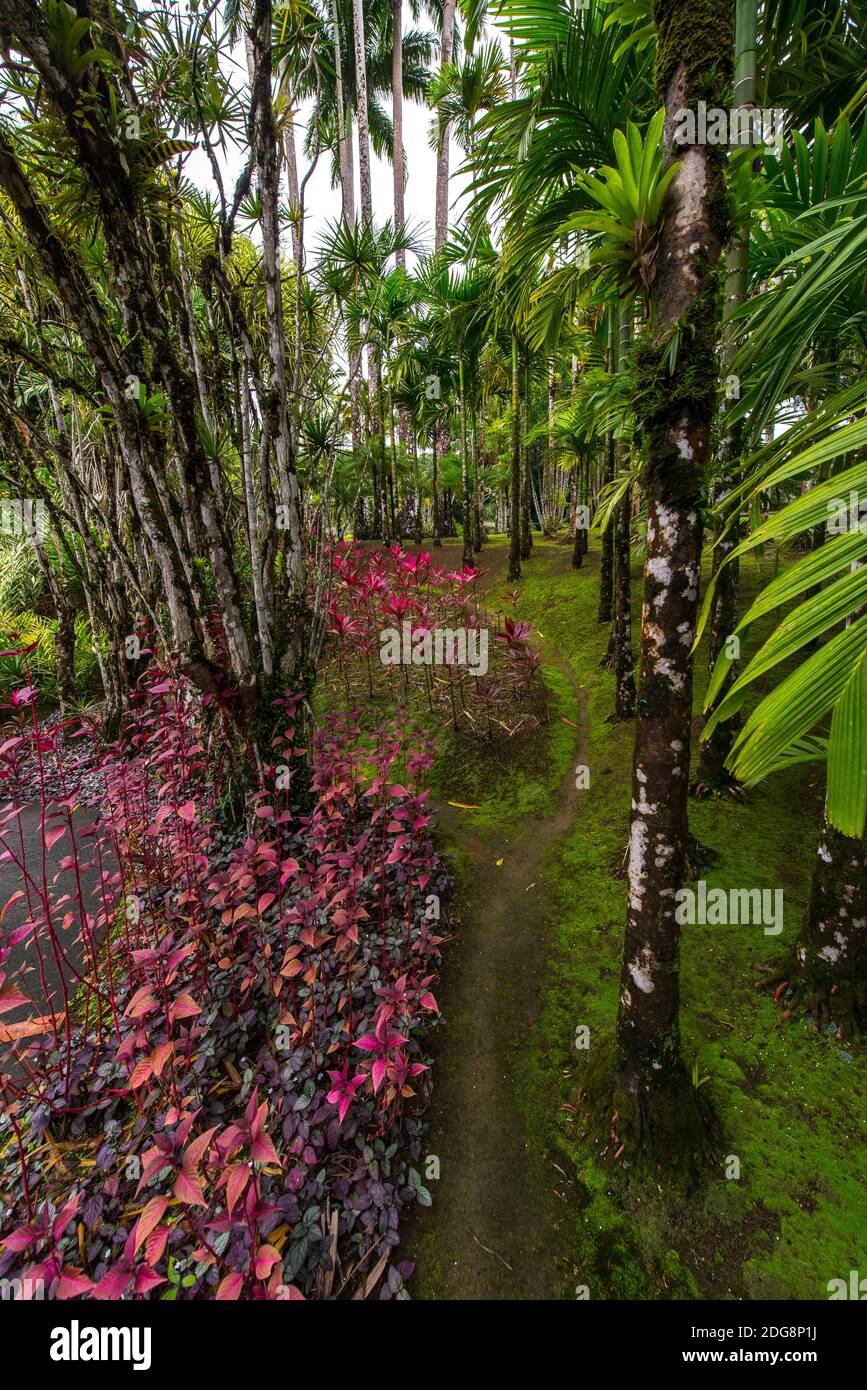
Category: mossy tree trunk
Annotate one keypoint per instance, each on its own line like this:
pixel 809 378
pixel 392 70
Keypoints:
pixel 606 565
pixel 467 524
pixel 526 466
pixel 832 951
pixel 478 488
pixel 712 772
pixel 826 971
pixel 577 531
pixel 624 666
pixel 693 63
pixel 621 528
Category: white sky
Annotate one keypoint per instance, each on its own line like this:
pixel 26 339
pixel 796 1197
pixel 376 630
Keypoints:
pixel 322 202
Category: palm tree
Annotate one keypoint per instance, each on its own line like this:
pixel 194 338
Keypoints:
pixel 397 119
pixel 459 320
pixel 712 772
pixel 516 480
pixel 363 114
pixel 814 267
pixel 344 124
pixel 621 528
pixel 441 216
pixel 676 418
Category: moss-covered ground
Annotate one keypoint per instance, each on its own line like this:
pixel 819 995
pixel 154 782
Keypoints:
pixel 789 1101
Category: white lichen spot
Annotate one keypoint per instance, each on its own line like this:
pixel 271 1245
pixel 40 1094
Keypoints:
pixel 666 667
pixel 641 978
pixel 638 838
pixel 659 569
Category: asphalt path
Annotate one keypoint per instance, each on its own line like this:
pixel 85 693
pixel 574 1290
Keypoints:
pixel 45 986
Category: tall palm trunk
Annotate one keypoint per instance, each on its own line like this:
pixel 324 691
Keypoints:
pixel 624 671
pixel 478 446
pixel 374 367
pixel 652 1080
pixel 344 128
pixel 265 151
pixel 290 155
pixel 526 466
pixel 831 953
pixel 515 484
pixel 606 564
pixel 417 527
pixel 397 120
pixel 441 215
pixel 362 111
pixel 712 772
pixel 396 518
pixel 549 484
pixel 435 489
pixel 467 527
pixel 577 529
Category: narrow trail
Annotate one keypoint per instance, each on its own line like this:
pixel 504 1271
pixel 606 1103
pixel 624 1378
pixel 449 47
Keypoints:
pixel 496 1229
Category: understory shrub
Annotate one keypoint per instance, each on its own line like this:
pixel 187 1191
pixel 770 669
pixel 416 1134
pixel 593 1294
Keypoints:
pixel 372 592
pixel 224 1098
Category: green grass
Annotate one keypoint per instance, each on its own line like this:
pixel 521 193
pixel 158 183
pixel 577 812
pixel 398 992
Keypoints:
pixel 790 1102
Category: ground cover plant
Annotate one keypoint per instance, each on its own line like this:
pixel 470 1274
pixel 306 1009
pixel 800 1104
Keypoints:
pixel 232 1091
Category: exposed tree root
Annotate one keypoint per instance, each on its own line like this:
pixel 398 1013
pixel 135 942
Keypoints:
pixel 664 1128
pixel 725 785
pixel 798 995
pixel 699 858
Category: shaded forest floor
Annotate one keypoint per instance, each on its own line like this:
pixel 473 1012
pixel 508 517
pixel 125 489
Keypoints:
pixel 521 1209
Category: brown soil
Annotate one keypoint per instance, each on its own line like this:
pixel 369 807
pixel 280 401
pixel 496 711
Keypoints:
pixel 499 1224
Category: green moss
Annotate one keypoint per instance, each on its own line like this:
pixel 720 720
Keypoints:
pixel 699 36
pixel 791 1107
pixel 667 390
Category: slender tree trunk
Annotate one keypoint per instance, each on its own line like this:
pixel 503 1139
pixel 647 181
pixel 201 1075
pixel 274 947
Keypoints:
pixel 435 490
pixel 526 472
pixel 362 111
pixel 831 954
pixel 606 566
pixel 290 154
pixel 515 485
pixel 549 485
pixel 441 216
pixel 624 668
pixel 467 527
pixel 478 529
pixel 712 772
pixel 265 153
pixel 396 513
pixel 397 120
pixel 624 672
pixel 418 531
pixel 344 128
pixel 578 517
pixel 686 299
